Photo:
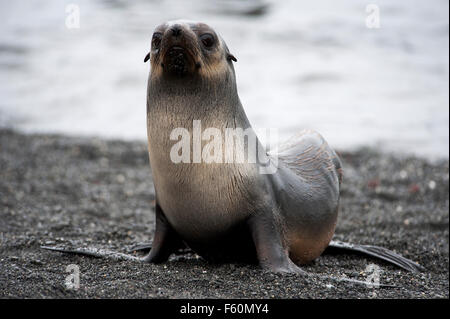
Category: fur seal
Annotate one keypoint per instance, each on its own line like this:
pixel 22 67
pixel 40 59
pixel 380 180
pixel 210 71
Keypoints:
pixel 230 211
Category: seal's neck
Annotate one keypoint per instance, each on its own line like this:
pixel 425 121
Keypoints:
pixel 214 101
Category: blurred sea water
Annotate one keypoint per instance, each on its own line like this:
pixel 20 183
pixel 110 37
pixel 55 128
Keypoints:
pixel 301 64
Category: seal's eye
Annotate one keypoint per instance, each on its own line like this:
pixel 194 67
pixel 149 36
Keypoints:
pixel 156 40
pixel 207 40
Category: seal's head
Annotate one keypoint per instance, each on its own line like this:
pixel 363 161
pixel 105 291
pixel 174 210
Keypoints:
pixel 184 49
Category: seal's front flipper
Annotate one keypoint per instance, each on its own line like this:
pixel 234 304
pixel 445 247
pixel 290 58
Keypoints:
pixel 144 247
pixel 165 242
pixel 266 236
pixel 93 252
pixel 377 252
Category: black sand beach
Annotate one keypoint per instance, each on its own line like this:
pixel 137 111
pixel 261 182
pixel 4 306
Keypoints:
pixel 57 190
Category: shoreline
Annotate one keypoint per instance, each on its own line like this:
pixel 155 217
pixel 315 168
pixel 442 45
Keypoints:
pixel 433 158
pixel 98 192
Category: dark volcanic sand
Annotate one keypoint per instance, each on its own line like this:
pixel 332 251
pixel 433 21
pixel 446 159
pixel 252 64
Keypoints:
pixel 91 192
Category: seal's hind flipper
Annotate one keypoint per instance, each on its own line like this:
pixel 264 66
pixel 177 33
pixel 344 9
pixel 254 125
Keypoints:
pixel 93 252
pixel 378 252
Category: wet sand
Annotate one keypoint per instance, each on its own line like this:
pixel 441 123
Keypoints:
pixel 56 190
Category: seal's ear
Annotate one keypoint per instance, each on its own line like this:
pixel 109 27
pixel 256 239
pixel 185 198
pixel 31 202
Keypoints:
pixel 231 57
pixel 147 57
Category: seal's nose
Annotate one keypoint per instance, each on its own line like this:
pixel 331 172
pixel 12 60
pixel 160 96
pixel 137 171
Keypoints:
pixel 176 30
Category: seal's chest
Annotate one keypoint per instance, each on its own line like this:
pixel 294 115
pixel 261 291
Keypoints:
pixel 208 198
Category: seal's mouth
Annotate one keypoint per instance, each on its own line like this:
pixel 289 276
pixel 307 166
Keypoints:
pixel 177 61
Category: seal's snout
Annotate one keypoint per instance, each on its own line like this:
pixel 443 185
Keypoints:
pixel 178 51
pixel 176 30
